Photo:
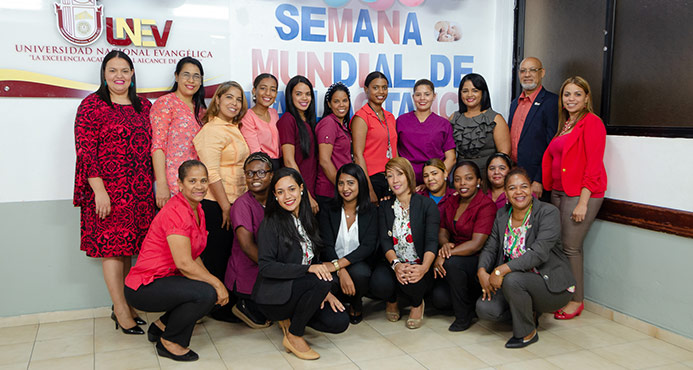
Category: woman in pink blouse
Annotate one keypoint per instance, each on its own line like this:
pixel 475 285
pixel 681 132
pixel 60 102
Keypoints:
pixel 175 119
pixel 259 125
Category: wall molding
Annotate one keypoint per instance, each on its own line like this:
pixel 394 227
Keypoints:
pixel 666 220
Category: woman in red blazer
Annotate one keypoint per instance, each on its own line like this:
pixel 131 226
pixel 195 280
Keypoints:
pixel 573 169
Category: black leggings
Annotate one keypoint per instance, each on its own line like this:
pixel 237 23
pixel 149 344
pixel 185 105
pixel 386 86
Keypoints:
pixel 384 285
pixel 218 250
pixel 460 288
pixel 184 300
pixel 360 273
pixel 303 308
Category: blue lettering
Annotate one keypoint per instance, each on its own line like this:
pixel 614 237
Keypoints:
pixel 338 60
pixel 399 82
pixel 280 13
pixel 442 60
pixel 391 97
pixel 459 70
pixel 364 27
pixel 381 65
pixel 411 30
pixel 307 23
pixel 279 103
pixel 407 105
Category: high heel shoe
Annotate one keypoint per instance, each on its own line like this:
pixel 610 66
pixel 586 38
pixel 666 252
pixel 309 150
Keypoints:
pixel 416 323
pixel 562 315
pixel 307 355
pixel 392 316
pixel 154 333
pixel 133 330
pixel 138 320
pixel 284 324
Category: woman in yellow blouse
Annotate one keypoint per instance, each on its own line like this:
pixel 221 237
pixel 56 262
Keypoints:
pixel 221 147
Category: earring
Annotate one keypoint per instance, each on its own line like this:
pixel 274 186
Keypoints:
pixel 105 84
pixel 478 185
pixel 132 84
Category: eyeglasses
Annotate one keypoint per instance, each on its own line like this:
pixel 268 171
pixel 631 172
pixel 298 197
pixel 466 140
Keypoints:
pixel 531 70
pixel 260 174
pixel 195 77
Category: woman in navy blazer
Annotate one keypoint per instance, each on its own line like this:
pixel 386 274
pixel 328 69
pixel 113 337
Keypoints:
pixel 292 286
pixel 349 230
pixel 408 225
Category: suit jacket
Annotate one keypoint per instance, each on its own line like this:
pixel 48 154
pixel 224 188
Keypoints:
pixel 330 220
pixel 279 264
pixel 424 218
pixel 543 242
pixel 540 127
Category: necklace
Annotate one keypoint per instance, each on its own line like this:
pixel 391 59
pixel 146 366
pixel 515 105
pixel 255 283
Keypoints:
pixel 568 126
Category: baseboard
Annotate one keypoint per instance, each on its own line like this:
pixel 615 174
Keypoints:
pixel 44 317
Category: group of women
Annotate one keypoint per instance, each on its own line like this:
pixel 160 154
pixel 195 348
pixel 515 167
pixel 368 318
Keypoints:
pixel 295 219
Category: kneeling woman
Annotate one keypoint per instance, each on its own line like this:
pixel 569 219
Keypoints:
pixel 408 225
pixel 349 228
pixel 522 265
pixel 169 275
pixel 292 286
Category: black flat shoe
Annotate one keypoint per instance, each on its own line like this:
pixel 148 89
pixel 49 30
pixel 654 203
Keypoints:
pixel 163 352
pixel 136 330
pixel 355 319
pixel 154 333
pixel 520 342
pixel 460 325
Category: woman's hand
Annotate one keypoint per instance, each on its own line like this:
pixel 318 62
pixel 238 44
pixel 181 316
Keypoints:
pixel 445 250
pixel 163 194
pixel 102 204
pixel 438 270
pixel 401 272
pixel 226 217
pixel 222 294
pixel 579 212
pixel 321 272
pixel 486 289
pixel 496 281
pixel 313 205
pixel 415 273
pixel 336 305
pixel 346 283
pixel 420 188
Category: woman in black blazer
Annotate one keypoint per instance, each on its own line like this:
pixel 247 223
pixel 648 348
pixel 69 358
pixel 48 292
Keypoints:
pixel 522 266
pixel 292 286
pixel 349 230
pixel 408 225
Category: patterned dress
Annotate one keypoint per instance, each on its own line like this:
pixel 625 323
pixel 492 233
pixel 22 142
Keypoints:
pixel 114 144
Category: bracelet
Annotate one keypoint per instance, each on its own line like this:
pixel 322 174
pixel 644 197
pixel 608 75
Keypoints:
pixel 394 263
pixel 336 265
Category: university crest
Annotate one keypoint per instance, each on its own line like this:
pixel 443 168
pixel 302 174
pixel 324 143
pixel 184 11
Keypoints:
pixel 79 21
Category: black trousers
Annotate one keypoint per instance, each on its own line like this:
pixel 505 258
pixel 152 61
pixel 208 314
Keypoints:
pixel 360 273
pixel 184 300
pixel 384 285
pixel 460 288
pixel 303 308
pixel 250 304
pixel 380 186
pixel 218 250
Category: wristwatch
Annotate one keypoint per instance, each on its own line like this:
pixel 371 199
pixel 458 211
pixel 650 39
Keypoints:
pixel 497 272
pixel 394 263
pixel 336 265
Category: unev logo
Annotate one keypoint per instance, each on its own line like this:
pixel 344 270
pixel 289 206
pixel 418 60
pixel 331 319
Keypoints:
pixel 80 22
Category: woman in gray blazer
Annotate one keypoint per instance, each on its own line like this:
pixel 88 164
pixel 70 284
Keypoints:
pixel 522 266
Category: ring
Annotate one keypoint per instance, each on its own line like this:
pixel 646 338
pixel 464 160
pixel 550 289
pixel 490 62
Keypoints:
pixel 483 290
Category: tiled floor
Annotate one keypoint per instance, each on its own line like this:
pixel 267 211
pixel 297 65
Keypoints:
pixel 588 342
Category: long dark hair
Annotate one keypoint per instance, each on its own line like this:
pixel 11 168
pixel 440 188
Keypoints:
pixel 337 86
pixel 103 91
pixel 363 199
pixel 199 97
pixel 280 221
pixel 480 83
pixel 303 136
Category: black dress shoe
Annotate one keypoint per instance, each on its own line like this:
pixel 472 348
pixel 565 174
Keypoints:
pixel 521 342
pixel 460 325
pixel 246 315
pixel 163 352
pixel 139 321
pixel 355 319
pixel 154 333
pixel 133 330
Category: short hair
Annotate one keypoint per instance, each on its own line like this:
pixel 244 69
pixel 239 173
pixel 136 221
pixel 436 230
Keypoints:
pixel 480 83
pixel 403 164
pixel 373 76
pixel 214 109
pixel 562 112
pixel 258 156
pixel 363 200
pixel 185 167
pixel 425 82
pixel 473 165
pixel 516 171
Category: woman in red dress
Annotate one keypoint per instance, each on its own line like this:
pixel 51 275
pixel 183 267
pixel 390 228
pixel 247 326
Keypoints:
pixel 113 178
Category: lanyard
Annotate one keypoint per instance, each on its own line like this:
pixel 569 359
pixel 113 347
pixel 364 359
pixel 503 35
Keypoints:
pixel 387 128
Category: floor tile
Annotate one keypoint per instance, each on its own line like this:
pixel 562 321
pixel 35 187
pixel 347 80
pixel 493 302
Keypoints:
pixel 8 322
pixel 667 350
pixel 589 337
pixel 675 366
pixel 246 345
pixel 362 331
pixel 220 329
pixel 475 334
pixel 581 360
pixel 361 350
pixel 330 355
pixel 688 363
pixel 18 334
pixel 73 315
pixel 15 353
pixel 550 344
pixel 390 363
pixel 260 361
pixel 418 340
pixel 202 363
pixel 536 364
pixel 384 327
pixel 621 331
pixel 63 347
pixel 129 359
pixel 494 353
pixel 82 362
pixel 632 356
pixel 65 329
pixel 448 358
pixel 23 365
pixel 112 340
pixel 547 322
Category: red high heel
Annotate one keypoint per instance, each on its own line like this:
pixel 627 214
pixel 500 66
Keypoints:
pixel 562 315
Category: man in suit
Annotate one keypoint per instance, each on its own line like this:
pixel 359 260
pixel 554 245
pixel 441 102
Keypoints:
pixel 533 121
